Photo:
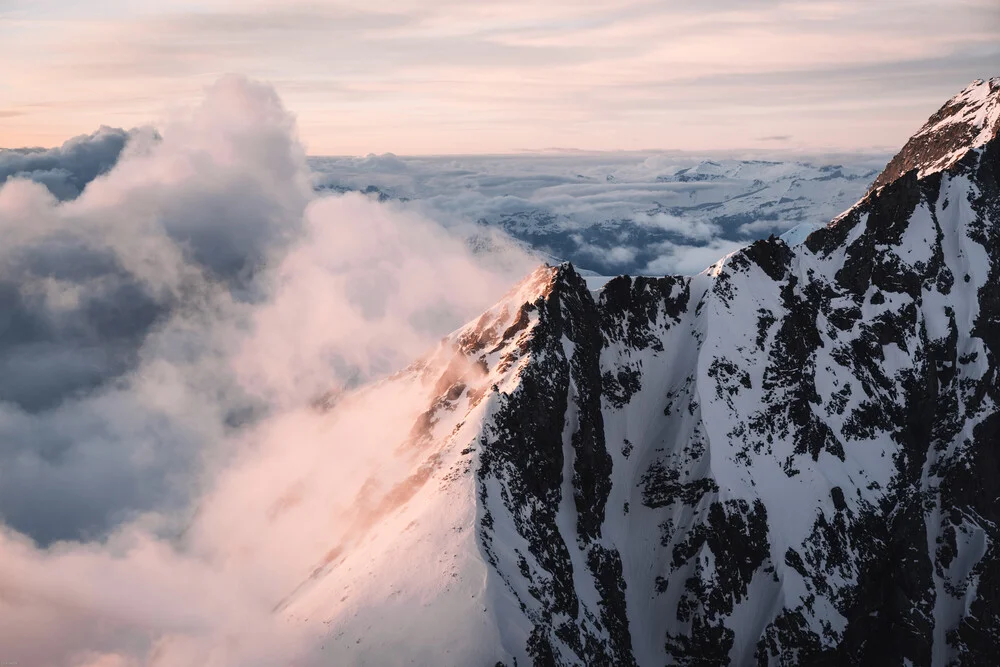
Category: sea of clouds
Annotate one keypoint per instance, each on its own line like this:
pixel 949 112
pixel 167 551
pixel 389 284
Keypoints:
pixel 649 213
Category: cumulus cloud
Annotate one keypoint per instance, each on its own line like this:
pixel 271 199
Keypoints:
pixel 108 299
pixel 67 169
pixel 166 475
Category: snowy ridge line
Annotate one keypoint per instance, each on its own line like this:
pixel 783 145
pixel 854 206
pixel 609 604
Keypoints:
pixel 967 121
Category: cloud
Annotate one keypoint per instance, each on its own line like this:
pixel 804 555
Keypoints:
pixel 758 227
pixel 438 77
pixel 692 227
pixel 603 211
pixel 101 299
pixel 610 212
pixel 775 137
pixel 164 339
pixel 67 169
pixel 676 259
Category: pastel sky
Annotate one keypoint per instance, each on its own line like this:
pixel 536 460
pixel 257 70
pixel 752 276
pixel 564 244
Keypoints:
pixel 460 76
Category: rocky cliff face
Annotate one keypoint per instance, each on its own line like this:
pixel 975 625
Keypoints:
pixel 792 458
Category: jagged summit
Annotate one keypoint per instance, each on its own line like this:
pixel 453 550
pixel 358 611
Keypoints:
pixel 965 122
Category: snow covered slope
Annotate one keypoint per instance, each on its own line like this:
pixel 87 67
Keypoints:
pixel 790 458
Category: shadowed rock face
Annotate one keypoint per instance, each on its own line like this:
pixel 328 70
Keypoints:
pixel 789 459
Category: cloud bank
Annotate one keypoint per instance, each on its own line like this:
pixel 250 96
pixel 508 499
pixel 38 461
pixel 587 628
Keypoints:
pixel 637 213
pixel 66 170
pixel 609 213
pixel 165 338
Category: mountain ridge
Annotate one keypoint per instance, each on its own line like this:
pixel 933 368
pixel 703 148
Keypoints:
pixel 789 458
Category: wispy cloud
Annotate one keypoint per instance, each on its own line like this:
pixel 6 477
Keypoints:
pixel 442 76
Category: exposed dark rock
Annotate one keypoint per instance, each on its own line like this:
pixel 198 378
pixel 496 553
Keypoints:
pixel 850 431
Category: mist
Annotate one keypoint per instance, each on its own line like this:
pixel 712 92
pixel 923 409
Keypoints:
pixel 190 349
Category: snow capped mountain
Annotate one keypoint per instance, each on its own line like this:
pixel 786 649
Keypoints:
pixel 789 458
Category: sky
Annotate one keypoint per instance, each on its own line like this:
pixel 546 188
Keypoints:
pixel 450 76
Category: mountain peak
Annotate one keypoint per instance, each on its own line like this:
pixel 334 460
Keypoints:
pixel 787 459
pixel 967 121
